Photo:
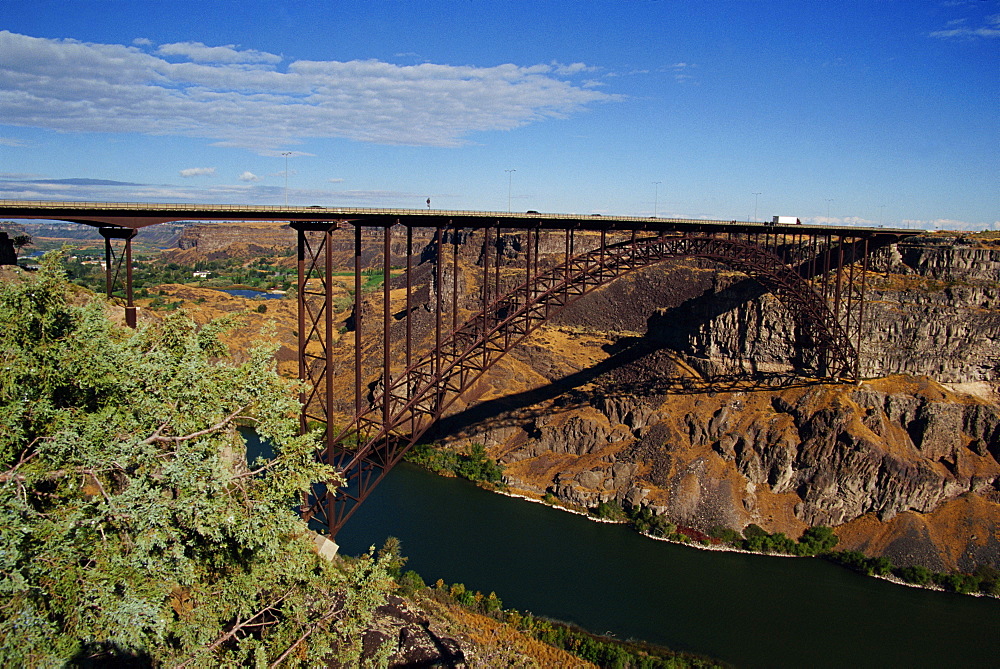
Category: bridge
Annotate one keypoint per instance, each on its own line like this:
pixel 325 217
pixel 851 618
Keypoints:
pixel 470 286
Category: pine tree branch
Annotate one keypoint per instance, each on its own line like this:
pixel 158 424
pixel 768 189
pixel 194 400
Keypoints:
pixel 270 463
pixel 157 437
pixel 325 619
pixel 249 622
pixel 12 475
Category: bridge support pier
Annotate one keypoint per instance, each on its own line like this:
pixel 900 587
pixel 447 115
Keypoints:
pixel 314 295
pixel 112 267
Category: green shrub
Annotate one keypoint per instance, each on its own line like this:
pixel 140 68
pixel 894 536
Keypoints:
pixel 726 534
pixel 131 527
pixel 610 511
pixel 880 566
pixel 818 539
pixel 474 466
pixel 411 582
pixel 989 579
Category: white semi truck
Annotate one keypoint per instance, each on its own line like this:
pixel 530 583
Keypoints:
pixel 785 220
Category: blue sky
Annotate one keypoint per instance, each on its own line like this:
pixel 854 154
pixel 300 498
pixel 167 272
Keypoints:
pixel 867 111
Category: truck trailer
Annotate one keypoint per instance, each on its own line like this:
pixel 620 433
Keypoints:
pixel 785 220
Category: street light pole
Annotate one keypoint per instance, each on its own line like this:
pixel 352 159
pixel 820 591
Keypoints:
pixel 755 207
pixel 286 154
pixel 656 197
pixel 828 201
pixel 510 179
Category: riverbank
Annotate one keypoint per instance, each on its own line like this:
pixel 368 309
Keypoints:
pixel 955 582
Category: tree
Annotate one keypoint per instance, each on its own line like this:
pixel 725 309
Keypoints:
pixel 817 539
pixel 20 241
pixel 916 574
pixel 133 527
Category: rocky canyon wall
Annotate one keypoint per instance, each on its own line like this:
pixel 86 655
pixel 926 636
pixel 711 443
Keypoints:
pixel 887 462
pixel 933 308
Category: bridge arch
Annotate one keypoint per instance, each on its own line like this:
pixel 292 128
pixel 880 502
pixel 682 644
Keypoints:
pixel 403 409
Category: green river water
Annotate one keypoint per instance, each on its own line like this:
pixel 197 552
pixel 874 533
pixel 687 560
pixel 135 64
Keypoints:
pixel 750 610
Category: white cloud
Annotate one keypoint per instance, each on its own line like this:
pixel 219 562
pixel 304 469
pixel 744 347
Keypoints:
pixel 10 141
pixel 26 187
pixel 683 72
pixel 335 180
pixel 200 53
pixel 948 224
pixel 240 98
pixel 249 177
pixel 279 153
pixel 960 28
pixel 197 172
pixel 573 68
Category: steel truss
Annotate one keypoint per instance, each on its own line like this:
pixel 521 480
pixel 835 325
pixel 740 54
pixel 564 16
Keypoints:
pixel 113 260
pixel 817 278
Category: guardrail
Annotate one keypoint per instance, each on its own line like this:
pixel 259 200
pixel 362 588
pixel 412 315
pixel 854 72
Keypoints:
pixel 160 209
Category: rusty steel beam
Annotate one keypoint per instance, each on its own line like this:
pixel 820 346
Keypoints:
pixel 314 294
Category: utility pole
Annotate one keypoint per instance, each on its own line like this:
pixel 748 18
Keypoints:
pixel 755 207
pixel 286 154
pixel 510 180
pixel 656 197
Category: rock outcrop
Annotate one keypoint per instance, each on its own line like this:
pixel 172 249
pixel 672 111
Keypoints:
pixel 784 459
pixel 214 240
pixel 409 638
pixel 933 308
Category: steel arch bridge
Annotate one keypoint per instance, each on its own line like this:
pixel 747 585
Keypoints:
pixel 819 279
pixel 817 272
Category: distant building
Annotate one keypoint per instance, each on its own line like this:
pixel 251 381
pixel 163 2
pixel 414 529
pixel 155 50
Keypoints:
pixel 201 275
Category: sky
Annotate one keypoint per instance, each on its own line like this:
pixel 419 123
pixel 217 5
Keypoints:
pixel 868 112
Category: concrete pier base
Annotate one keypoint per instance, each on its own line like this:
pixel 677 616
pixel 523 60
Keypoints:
pixel 325 546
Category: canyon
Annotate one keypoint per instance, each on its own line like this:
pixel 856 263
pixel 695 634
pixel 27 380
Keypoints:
pixel 674 388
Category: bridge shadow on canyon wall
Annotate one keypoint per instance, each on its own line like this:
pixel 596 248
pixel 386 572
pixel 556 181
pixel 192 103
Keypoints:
pixel 637 367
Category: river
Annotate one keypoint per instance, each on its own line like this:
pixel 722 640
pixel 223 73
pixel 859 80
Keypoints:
pixel 750 610
pixel 252 294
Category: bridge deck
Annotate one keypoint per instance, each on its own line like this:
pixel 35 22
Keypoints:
pixel 141 214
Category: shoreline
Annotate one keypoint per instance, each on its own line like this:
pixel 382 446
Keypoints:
pixel 731 549
pixel 689 544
